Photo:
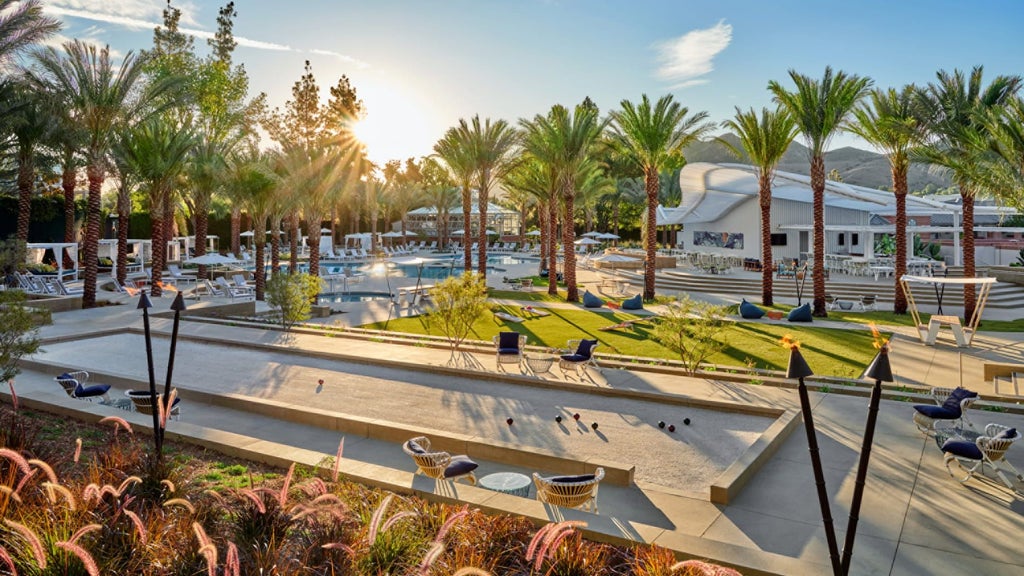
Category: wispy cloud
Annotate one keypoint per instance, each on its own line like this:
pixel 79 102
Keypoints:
pixel 138 14
pixel 686 58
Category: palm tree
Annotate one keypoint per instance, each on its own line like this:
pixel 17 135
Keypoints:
pixel 492 148
pixel 891 125
pixel 121 155
pixel 251 179
pixel 538 180
pixel 820 108
pixel 455 149
pixel 101 98
pixel 22 24
pixel 205 171
pixel 648 138
pixel 953 111
pixel 765 140
pixel 442 198
pixel 376 198
pixel 33 124
pixel 157 152
pixel 1007 128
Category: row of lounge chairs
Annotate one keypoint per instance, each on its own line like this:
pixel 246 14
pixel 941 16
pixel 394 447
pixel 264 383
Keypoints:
pixel 578 491
pixel 47 285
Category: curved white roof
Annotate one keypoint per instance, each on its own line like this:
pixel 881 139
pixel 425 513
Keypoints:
pixel 710 191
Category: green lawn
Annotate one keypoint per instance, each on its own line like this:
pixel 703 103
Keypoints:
pixel 842 353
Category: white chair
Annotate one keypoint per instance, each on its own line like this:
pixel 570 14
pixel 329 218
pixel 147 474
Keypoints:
pixel 508 348
pixel 439 465
pixel 971 456
pixel 578 492
pixel 233 291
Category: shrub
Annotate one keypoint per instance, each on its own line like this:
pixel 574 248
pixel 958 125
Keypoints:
pixel 693 330
pixel 291 295
pixel 18 333
pixel 460 301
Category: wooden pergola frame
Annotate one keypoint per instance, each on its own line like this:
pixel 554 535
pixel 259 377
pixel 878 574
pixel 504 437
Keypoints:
pixel 970 328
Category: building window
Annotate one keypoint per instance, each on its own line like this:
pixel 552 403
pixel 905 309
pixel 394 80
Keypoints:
pixel 854 239
pixel 842 239
pixel 779 239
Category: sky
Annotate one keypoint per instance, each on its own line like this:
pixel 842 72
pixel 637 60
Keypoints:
pixel 421 65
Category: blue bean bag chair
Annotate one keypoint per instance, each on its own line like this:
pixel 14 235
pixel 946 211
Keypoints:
pixel 634 303
pixel 800 313
pixel 750 311
pixel 591 301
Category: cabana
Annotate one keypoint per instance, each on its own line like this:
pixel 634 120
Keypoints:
pixel 138 250
pixel 36 251
pixel 963 334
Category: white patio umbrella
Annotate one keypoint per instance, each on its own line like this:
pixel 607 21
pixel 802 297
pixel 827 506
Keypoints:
pixel 492 232
pixel 612 257
pixel 533 233
pixel 212 259
pixel 587 242
pixel 592 234
pixel 607 236
pixel 247 234
pixel 458 232
pixel 411 233
pixel 391 235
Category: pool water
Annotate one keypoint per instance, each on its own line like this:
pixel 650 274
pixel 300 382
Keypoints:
pixel 353 297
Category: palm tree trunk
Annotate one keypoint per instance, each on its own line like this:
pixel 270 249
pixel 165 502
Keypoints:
pixel 569 247
pixel 68 179
pixel 552 247
pixel 899 180
pixel 159 252
pixel 202 225
pixel 26 177
pixel 765 201
pixel 970 301
pixel 652 185
pixel 313 222
pixel 481 264
pixel 124 207
pixel 542 221
pixel 818 271
pixel 467 207
pixel 275 246
pixel 615 217
pixel 293 233
pixel 92 234
pixel 236 229
pixel 260 274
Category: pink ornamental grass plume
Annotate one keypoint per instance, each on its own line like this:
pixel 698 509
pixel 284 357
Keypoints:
pixel 699 568
pixel 78 450
pixel 14 395
pixel 118 423
pixel 30 537
pixel 337 460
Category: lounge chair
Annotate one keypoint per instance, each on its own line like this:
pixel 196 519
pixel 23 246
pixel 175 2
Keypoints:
pixel 439 465
pixel 578 492
pixel 142 402
pixel 581 358
pixel 241 282
pixel 233 291
pixel 178 276
pixel 508 348
pixel 868 303
pixel 971 456
pixel 950 404
pixel 74 385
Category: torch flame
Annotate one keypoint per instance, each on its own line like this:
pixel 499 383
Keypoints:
pixel 880 342
pixel 789 343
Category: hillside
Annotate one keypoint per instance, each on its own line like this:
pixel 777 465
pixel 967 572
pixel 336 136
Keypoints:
pixel 856 166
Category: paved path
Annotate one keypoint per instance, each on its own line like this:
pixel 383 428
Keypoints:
pixel 915 518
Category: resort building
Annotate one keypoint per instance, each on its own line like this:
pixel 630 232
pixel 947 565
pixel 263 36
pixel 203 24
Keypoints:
pixel 502 221
pixel 720 214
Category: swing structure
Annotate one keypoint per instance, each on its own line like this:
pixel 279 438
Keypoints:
pixel 963 334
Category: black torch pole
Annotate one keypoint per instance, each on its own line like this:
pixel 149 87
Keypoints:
pixel 879 370
pixel 145 305
pixel 799 369
pixel 178 305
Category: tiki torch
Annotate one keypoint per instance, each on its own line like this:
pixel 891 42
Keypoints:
pixel 145 304
pixel 178 305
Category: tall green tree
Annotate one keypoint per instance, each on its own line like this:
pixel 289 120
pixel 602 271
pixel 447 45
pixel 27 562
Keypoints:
pixel 953 110
pixel 22 25
pixel 889 123
pixel 564 140
pixel 33 124
pixel 765 139
pixel 651 137
pixel 539 180
pixel 455 149
pixel 101 98
pixel 493 146
pixel 1007 128
pixel 252 180
pixel 820 108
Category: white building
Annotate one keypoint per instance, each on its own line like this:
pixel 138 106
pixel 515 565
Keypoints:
pixel 720 214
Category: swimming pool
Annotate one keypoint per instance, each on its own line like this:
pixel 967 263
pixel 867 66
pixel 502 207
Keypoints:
pixel 352 297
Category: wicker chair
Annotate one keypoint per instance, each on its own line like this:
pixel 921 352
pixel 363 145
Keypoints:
pixel 74 383
pixel 578 492
pixel 581 357
pixel 951 404
pixel 508 348
pixel 141 401
pixel 439 465
pixel 989 448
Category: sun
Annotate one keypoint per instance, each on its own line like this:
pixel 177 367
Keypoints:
pixel 395 127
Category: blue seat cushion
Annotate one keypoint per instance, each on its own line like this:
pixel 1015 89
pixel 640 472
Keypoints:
pixel 460 465
pixel 90 391
pixel 510 351
pixel 938 412
pixel 1007 434
pixel 575 358
pixel 800 313
pixel 591 301
pixel 508 341
pixel 963 449
pixel 415 447
pixel 750 311
pixel 585 348
pixel 634 303
pixel 572 479
pixel 958 395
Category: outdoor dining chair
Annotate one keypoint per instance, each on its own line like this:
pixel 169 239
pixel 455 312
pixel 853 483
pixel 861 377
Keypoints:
pixel 508 348
pixel 74 384
pixel 578 492
pixel 439 465
pixel 581 357
pixel 951 404
pixel 989 449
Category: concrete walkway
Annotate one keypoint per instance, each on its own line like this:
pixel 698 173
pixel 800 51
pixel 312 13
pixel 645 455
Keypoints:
pixel 915 518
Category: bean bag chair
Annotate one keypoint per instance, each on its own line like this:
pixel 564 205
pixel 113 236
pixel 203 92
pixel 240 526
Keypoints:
pixel 591 301
pixel 800 313
pixel 634 303
pixel 750 311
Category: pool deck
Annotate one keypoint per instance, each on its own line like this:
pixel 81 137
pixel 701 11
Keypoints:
pixel 915 518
